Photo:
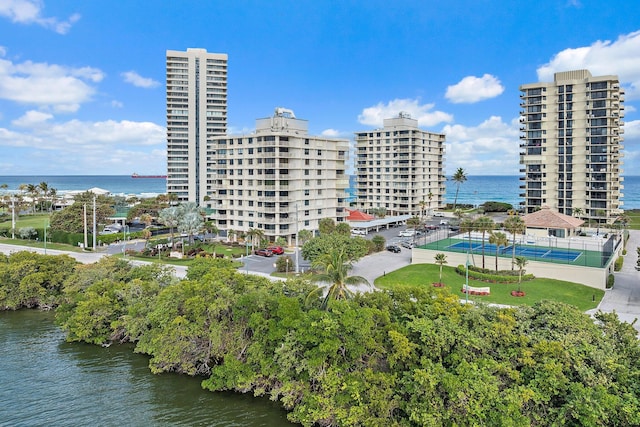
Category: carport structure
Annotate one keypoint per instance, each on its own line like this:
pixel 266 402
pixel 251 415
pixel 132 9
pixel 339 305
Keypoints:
pixel 362 221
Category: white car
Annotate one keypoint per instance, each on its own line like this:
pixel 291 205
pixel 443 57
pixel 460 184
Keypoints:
pixel 358 231
pixel 438 214
pixel 444 222
pixel 407 233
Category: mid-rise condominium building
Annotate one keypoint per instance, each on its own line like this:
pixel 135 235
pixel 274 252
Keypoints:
pixel 400 168
pixel 279 179
pixel 196 111
pixel 571 145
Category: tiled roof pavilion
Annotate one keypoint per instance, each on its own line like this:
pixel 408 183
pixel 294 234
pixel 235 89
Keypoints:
pixel 546 218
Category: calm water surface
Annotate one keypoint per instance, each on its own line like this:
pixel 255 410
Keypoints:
pixel 48 382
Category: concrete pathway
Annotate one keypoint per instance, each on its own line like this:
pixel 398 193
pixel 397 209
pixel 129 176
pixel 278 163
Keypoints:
pixel 624 297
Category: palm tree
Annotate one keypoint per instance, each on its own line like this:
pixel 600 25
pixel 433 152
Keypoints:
pixel 43 189
pixel 422 205
pixel 430 197
pixel 484 224
pixel 413 222
pixel 467 225
pixel 440 260
pixel 499 239
pixel 146 219
pixel 33 191
pixel 253 234
pixel 231 234
pixel 521 262
pixel 459 177
pixel 335 266
pixel 304 236
pixel 514 225
pixel 170 217
pixel 577 212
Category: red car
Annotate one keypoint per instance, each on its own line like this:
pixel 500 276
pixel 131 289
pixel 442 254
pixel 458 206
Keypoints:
pixel 277 250
pixel 263 252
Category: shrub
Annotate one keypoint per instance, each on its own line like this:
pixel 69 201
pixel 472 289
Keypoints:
pixel 618 264
pixel 282 266
pixel 27 233
pixel 493 278
pixel 379 242
pixel 497 207
pixel 610 281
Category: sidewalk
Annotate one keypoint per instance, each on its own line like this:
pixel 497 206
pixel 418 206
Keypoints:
pixel 624 297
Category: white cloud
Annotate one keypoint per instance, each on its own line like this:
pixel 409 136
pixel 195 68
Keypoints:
pixel 473 89
pixel 63 88
pixel 620 57
pixel 375 115
pixel 630 108
pixel 32 118
pixel 332 133
pixel 139 81
pixel 116 104
pixel 491 148
pixel 106 147
pixel 30 12
pixel 79 134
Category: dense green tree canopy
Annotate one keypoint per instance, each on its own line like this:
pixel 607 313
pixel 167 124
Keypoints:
pixel 354 247
pixel 411 357
pixel 71 218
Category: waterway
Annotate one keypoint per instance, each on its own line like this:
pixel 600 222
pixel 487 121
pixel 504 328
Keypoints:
pixel 46 381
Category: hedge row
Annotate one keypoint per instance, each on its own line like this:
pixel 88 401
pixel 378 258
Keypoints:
pixel 493 278
pixel 73 239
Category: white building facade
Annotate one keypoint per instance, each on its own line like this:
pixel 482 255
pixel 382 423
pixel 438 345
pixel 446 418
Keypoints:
pixel 400 168
pixel 279 179
pixel 196 111
pixel 571 145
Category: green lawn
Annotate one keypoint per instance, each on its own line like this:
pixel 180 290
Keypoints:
pixel 39 244
pixel 581 296
pixel 35 221
pixel 634 216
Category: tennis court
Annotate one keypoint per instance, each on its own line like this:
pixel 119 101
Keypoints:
pixel 534 252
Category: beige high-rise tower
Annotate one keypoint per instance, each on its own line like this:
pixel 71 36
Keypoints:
pixel 278 179
pixel 196 111
pixel 400 168
pixel 571 145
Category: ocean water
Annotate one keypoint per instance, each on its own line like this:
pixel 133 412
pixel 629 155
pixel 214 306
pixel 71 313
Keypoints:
pixel 116 184
pixel 477 189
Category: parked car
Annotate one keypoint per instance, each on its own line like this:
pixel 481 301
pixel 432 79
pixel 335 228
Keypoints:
pixel 277 250
pixel 406 244
pixel 263 252
pixel 438 214
pixel 407 233
pixel 444 222
pixel 431 227
pixel 358 231
pixel 394 248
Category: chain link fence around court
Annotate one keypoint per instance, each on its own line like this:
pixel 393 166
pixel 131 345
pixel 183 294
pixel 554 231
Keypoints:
pixel 587 251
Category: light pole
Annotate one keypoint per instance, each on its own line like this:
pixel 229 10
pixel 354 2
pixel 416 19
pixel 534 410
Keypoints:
pixel 246 257
pixel 45 236
pixel 13 217
pixel 466 285
pixel 124 246
pixel 297 249
pixel 286 271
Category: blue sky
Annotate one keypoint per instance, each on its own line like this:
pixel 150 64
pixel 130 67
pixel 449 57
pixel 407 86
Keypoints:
pixel 82 83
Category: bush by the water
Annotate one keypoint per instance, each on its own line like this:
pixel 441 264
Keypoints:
pixel 411 357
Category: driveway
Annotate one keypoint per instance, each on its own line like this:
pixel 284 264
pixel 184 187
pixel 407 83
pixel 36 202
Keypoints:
pixel 624 297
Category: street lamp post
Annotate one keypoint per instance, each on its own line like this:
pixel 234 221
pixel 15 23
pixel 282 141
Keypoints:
pixel 13 217
pixel 466 286
pixel 45 236
pixel 124 246
pixel 246 257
